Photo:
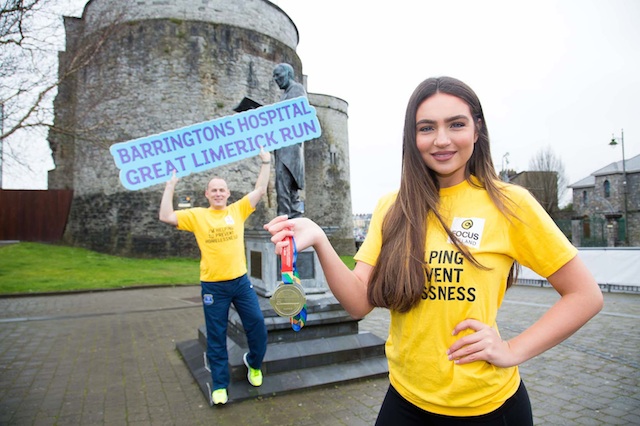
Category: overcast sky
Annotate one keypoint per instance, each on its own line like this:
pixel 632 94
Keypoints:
pixel 562 74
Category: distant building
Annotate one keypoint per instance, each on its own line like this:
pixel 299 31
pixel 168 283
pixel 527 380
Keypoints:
pixel 543 186
pixel 360 227
pixel 599 206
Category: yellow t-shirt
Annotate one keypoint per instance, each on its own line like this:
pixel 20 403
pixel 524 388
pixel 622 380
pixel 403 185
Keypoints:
pixel 418 340
pixel 220 236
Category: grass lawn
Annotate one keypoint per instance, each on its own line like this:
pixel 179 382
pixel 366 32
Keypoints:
pixel 40 268
pixel 37 268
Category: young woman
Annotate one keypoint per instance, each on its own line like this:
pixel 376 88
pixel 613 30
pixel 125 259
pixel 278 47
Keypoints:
pixel 440 254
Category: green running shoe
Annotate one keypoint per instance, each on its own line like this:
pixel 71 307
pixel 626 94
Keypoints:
pixel 254 375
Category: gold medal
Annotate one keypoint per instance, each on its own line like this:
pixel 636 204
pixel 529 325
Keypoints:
pixel 288 299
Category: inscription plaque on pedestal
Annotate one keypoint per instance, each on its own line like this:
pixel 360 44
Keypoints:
pixel 264 265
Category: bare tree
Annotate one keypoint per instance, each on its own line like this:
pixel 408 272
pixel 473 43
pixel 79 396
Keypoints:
pixel 547 178
pixel 27 58
pixel 14 16
pixel 31 37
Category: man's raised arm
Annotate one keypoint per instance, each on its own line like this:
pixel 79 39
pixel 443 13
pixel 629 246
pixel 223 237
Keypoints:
pixel 167 214
pixel 263 178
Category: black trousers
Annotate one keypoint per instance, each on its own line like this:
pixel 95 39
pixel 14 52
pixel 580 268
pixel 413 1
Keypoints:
pixel 395 410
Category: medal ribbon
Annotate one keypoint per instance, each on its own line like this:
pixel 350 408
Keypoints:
pixel 289 276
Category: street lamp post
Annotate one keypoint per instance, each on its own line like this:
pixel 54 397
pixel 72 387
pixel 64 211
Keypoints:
pixel 505 173
pixel 614 142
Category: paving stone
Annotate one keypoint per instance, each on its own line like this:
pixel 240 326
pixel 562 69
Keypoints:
pixel 110 358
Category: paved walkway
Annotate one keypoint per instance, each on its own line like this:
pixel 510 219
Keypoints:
pixel 109 358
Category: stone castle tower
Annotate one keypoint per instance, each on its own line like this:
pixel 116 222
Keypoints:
pixel 165 65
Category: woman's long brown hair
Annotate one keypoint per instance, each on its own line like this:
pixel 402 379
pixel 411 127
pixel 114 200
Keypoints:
pixel 399 276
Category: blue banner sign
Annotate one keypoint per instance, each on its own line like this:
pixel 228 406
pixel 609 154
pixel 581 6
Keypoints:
pixel 151 160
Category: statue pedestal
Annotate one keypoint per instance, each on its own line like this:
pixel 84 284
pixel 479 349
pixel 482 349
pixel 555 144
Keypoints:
pixel 264 265
pixel 329 349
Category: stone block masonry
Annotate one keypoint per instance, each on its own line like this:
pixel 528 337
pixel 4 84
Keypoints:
pixel 168 65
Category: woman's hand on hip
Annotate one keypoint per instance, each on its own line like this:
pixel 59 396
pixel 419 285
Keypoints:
pixel 485 344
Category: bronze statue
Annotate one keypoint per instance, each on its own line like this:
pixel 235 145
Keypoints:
pixel 289 160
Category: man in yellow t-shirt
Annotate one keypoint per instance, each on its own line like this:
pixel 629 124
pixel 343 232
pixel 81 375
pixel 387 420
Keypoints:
pixel 219 232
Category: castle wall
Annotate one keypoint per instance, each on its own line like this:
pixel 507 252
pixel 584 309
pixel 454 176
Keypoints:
pixel 159 74
pixel 260 16
pixel 328 187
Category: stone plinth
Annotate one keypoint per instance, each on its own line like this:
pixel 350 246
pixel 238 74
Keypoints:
pixel 329 349
pixel 264 265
